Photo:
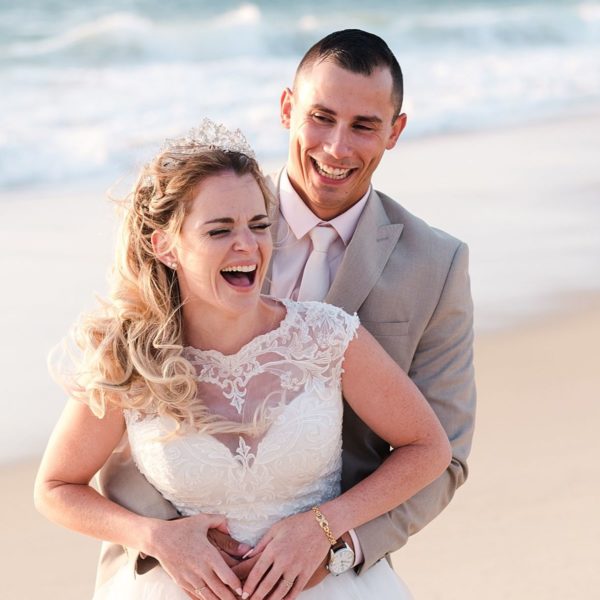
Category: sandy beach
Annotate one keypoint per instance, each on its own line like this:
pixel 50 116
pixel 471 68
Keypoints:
pixel 524 526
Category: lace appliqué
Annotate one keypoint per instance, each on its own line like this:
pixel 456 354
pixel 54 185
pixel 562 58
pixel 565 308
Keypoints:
pixel 313 336
pixel 243 454
pixel 231 378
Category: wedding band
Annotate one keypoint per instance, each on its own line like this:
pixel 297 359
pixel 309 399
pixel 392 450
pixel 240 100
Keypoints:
pixel 198 591
pixel 288 584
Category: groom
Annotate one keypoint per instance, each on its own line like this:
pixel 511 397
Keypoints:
pixel 408 282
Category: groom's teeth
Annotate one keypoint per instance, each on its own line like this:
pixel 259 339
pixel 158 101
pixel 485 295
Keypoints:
pixel 240 269
pixel 331 172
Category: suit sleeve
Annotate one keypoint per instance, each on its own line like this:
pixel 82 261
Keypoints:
pixel 120 481
pixel 442 368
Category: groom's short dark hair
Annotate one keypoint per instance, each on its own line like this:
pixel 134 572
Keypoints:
pixel 359 52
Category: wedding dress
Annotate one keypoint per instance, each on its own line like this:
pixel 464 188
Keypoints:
pixel 292 377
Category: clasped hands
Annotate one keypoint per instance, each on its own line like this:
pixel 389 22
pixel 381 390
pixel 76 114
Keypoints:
pixel 290 557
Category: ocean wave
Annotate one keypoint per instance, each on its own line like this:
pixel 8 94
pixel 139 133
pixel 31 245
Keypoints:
pixel 140 38
pixel 249 30
pixel 117 28
pixel 84 95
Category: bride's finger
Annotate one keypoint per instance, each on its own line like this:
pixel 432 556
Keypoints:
pixel 218 522
pixel 263 564
pixel 266 585
pixel 216 589
pixel 223 573
pixel 262 544
pixel 202 593
pixel 286 589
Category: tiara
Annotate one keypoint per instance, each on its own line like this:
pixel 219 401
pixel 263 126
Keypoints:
pixel 212 136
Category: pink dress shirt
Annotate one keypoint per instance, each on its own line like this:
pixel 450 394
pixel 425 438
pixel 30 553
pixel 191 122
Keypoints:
pixel 293 247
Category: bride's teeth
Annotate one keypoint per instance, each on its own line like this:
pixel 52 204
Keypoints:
pixel 240 269
pixel 332 172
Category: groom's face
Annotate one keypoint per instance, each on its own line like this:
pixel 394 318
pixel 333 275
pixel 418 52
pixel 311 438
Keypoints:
pixel 340 125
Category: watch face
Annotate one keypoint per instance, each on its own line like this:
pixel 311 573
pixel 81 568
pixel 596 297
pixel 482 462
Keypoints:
pixel 341 560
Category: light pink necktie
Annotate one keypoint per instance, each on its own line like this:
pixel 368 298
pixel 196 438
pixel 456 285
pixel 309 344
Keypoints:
pixel 315 279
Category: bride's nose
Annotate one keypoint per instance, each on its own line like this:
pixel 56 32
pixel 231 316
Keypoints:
pixel 245 241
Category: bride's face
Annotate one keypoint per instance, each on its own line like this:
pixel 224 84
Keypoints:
pixel 224 247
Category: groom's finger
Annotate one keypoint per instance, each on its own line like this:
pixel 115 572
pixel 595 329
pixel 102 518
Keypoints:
pixel 230 561
pixel 227 543
pixel 242 569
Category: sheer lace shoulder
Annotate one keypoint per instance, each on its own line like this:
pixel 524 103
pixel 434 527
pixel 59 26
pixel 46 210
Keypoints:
pixel 313 337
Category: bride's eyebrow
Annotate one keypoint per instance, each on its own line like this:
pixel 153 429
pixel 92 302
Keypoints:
pixel 229 220
pixel 220 220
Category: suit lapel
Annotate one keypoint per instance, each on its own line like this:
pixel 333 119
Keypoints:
pixel 366 256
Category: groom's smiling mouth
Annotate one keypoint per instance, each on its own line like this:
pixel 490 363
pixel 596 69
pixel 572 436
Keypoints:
pixel 240 275
pixel 329 172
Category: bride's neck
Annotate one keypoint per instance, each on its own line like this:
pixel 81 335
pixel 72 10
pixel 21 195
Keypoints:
pixel 227 333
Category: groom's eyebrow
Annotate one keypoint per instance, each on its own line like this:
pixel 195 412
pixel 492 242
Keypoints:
pixel 229 220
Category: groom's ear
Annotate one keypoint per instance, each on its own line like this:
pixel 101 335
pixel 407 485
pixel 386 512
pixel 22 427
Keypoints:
pixel 397 128
pixel 285 107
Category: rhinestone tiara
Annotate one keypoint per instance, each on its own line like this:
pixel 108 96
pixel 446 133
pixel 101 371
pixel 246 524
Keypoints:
pixel 212 136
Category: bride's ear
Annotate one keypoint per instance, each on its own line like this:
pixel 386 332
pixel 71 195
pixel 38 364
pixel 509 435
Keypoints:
pixel 163 248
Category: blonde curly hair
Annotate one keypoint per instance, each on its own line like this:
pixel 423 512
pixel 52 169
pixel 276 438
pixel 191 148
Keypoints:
pixel 130 348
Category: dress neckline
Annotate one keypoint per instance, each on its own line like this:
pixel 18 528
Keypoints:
pixel 256 341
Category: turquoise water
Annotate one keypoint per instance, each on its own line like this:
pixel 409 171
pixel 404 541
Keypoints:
pixel 90 89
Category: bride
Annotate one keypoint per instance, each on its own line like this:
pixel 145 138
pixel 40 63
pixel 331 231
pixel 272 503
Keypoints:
pixel 232 401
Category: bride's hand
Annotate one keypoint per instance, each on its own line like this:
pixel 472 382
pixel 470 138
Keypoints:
pixel 292 550
pixel 183 549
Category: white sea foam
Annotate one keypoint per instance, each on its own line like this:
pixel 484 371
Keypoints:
pixel 245 14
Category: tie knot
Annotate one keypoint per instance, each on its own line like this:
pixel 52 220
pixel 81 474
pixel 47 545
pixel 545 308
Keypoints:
pixel 322 237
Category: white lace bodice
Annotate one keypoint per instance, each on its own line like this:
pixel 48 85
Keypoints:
pixel 293 374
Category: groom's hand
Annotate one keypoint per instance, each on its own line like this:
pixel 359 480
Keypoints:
pixel 243 568
pixel 228 546
pixel 232 553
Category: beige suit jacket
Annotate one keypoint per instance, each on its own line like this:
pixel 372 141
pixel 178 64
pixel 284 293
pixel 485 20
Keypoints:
pixel 409 284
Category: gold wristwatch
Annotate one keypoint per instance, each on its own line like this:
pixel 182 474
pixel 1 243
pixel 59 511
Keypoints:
pixel 341 556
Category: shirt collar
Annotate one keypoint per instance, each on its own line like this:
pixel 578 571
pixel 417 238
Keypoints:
pixel 301 219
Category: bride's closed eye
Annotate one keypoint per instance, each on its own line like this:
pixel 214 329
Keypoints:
pixel 261 226
pixel 221 231
pixel 218 232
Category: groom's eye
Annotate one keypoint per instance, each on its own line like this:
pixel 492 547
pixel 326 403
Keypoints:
pixel 321 118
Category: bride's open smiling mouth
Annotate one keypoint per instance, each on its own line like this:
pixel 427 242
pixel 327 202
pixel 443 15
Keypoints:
pixel 240 276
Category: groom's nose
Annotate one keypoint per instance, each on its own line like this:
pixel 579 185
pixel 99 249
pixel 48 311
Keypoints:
pixel 337 143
